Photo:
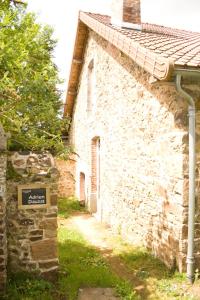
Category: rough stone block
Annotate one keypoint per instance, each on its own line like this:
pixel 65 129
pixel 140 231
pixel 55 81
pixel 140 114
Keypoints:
pixel 48 264
pixel 36 238
pixel 36 232
pixel 184 232
pixel 26 222
pixel 49 224
pixel 51 215
pixel 54 200
pixel 51 275
pixel 50 233
pixel 44 249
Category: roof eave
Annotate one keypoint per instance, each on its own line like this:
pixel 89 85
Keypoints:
pixel 159 67
pixel 76 67
pixel 156 65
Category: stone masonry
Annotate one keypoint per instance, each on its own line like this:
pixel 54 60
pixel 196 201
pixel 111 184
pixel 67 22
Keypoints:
pixel 66 181
pixel 143 131
pixel 3 240
pixel 32 233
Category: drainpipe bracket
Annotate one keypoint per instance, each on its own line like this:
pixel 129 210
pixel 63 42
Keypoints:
pixel 191 112
pixel 190 259
pixel 191 279
pixel 191 109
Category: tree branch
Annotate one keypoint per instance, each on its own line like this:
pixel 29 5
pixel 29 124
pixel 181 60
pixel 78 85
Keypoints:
pixel 16 2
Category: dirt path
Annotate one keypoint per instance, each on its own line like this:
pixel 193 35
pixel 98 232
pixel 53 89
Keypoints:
pixel 100 236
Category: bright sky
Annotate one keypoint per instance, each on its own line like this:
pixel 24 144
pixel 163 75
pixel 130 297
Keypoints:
pixel 63 15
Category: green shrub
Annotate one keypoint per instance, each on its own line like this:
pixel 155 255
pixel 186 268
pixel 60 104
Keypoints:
pixel 67 206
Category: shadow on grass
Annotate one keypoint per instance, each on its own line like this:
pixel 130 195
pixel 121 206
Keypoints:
pixel 145 265
pixel 141 270
pixel 87 266
pixel 84 266
pixel 133 272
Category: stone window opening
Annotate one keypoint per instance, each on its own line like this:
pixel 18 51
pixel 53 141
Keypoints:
pixel 90 88
pixel 95 173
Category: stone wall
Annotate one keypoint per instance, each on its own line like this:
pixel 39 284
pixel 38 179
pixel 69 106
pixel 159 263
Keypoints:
pixel 66 182
pixel 32 233
pixel 143 131
pixel 3 240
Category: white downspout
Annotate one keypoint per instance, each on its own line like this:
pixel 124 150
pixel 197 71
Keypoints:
pixel 191 216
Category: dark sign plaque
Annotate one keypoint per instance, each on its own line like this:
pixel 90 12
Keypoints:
pixel 33 196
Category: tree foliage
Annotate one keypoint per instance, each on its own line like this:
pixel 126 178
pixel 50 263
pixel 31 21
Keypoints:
pixel 30 105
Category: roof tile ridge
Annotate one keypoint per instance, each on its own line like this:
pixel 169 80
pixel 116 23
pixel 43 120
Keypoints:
pixel 155 28
pixel 94 13
pixel 152 27
pixel 155 64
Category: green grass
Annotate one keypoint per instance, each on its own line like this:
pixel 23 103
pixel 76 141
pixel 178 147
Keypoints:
pixel 82 265
pixel 159 282
pixel 86 267
pixel 66 206
pixel 144 264
pixel 26 286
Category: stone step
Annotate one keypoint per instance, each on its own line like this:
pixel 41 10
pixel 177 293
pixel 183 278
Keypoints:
pixel 97 294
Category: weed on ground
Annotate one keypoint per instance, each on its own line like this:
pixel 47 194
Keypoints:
pixel 68 206
pixel 26 286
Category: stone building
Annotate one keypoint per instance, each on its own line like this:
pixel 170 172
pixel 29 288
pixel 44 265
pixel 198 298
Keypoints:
pixel 130 127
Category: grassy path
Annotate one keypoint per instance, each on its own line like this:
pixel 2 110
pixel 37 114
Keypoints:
pixel 92 256
pixel 99 258
pixel 86 267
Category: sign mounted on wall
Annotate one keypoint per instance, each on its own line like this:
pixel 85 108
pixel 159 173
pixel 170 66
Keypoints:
pixel 33 196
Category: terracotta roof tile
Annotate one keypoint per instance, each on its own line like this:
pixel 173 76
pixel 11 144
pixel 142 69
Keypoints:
pixel 158 50
pixel 182 46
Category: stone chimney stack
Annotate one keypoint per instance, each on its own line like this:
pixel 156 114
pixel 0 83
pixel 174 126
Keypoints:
pixel 126 13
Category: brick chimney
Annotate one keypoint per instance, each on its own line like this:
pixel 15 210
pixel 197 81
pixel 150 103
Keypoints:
pixel 126 13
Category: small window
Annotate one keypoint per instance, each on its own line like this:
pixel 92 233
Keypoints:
pixel 90 87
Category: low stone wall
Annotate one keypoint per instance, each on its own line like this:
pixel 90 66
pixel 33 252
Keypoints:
pixel 32 233
pixel 3 241
pixel 66 182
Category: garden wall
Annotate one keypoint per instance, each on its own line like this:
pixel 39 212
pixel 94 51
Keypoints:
pixel 32 232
